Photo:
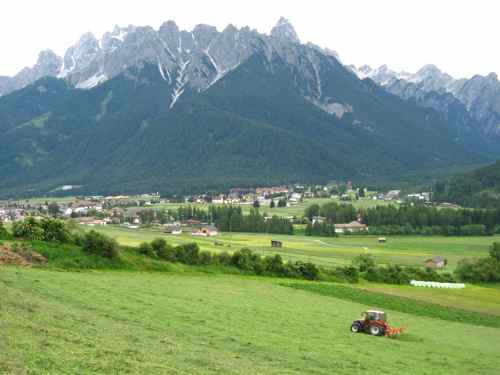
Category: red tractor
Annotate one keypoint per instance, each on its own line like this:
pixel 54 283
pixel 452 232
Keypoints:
pixel 375 323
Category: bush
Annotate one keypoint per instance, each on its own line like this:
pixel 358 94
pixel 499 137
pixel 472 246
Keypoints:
pixel 245 260
pixel 147 250
pixel 29 229
pixel 99 244
pixel 274 265
pixel 482 269
pixel 55 231
pixel 363 262
pixel 205 258
pixel 4 234
pixel 188 253
pixel 308 271
pixel 163 250
pixel 224 258
pixel 49 230
pixel 495 251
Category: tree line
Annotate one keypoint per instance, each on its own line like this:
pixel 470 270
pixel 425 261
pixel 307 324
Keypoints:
pixel 409 219
pixel 226 218
pixel 244 260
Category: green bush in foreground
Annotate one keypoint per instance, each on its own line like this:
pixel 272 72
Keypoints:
pixel 244 260
pixel 485 270
pixel 393 274
pixel 99 244
pixel 4 234
pixel 50 230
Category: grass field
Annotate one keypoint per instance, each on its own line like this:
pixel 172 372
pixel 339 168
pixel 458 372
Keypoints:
pixel 296 210
pixel 402 250
pixel 153 323
pixel 485 299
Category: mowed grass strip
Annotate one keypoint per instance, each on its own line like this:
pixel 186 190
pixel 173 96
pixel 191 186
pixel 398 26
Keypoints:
pixel 401 304
pixel 480 298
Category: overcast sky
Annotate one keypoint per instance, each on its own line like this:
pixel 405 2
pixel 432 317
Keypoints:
pixel 462 37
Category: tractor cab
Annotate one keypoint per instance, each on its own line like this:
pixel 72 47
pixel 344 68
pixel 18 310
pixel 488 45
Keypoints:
pixel 374 315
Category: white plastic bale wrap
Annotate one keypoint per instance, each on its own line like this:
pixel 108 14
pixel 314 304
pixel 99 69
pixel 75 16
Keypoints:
pixel 434 284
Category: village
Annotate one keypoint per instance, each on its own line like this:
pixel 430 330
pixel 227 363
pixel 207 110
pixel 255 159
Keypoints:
pixel 126 209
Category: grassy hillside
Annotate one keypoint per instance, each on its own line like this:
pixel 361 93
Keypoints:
pixel 122 322
pixel 402 250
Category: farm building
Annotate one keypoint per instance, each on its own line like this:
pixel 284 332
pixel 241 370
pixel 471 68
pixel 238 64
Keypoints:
pixel 91 221
pixel 206 231
pixel 275 243
pixel 352 227
pixel 436 262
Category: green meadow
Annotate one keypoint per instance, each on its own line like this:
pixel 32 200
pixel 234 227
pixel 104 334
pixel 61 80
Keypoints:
pixel 296 210
pixel 120 322
pixel 401 250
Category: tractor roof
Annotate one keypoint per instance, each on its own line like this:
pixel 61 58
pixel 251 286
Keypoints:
pixel 375 311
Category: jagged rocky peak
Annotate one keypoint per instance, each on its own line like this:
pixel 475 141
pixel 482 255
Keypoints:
pixel 492 77
pixel 429 69
pixel 365 69
pixel 432 72
pixel 204 34
pixel 285 31
pixel 48 57
pixel 87 46
pixel 112 40
pixel 48 62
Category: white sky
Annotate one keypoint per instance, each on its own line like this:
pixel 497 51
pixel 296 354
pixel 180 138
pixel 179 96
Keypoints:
pixel 459 36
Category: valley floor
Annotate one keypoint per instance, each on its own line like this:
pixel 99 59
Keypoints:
pixel 115 322
pixel 325 251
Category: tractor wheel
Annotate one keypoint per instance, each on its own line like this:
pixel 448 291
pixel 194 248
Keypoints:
pixel 376 330
pixel 355 328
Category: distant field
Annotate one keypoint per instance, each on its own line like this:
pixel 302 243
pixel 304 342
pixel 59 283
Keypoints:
pixel 159 323
pixel 47 199
pixel 294 210
pixel 402 250
pixel 485 299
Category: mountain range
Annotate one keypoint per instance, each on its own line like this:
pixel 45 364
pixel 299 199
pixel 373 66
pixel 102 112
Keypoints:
pixel 475 101
pixel 176 111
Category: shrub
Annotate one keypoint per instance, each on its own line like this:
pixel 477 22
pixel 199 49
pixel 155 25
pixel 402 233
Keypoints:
pixel 348 274
pixel 161 249
pixel 244 259
pixel 99 244
pixel 485 270
pixel 308 271
pixel 481 269
pixel 146 249
pixel 166 252
pixel 29 229
pixel 55 231
pixel 205 258
pixel 495 251
pixel 188 253
pixel 363 262
pixel 223 258
pixel 274 265
pixel 4 234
